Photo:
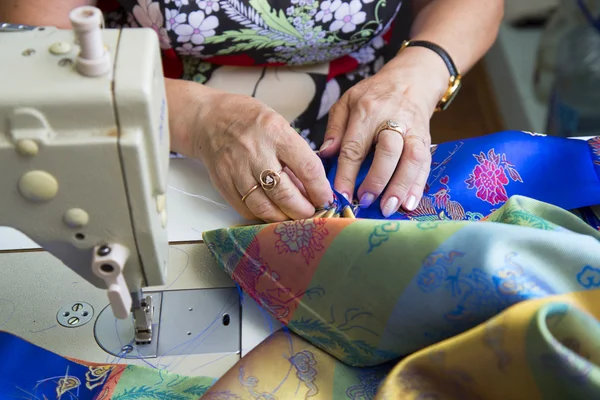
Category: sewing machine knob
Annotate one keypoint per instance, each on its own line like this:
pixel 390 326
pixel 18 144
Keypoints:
pixel 108 263
pixel 38 186
pixel 76 218
pixel 27 148
pixel 59 48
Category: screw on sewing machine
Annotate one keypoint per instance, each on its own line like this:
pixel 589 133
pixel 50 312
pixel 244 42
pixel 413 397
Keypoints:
pixel 65 62
pixel 75 314
pixel 126 349
pixel 28 52
pixel 103 251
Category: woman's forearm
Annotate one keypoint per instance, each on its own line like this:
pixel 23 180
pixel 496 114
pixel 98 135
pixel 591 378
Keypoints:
pixel 40 12
pixel 466 29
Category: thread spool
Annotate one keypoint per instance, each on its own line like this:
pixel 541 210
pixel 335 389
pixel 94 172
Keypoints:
pixel 93 59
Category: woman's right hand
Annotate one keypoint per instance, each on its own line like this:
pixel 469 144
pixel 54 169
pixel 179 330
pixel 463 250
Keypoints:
pixel 238 137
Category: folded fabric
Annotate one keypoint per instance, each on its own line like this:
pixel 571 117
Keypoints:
pixel 537 349
pixel 369 291
pixel 472 178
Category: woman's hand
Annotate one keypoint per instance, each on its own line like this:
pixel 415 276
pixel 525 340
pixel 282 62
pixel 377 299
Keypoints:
pixel 405 91
pixel 238 137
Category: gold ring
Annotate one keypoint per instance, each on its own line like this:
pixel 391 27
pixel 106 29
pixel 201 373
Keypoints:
pixel 249 192
pixel 269 179
pixel 416 137
pixel 389 125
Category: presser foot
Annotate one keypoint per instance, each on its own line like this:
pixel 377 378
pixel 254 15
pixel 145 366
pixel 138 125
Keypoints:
pixel 142 318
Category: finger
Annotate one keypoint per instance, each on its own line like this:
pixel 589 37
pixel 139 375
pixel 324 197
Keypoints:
pixel 337 122
pixel 355 147
pixel 387 154
pixel 416 192
pixel 285 194
pixel 257 202
pixel 296 181
pixel 307 167
pixel 415 157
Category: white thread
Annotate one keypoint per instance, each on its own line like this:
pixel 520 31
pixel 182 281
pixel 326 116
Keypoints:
pixel 223 206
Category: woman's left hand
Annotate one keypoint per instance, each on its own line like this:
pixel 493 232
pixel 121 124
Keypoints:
pixel 405 91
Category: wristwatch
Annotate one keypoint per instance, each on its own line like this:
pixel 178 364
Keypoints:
pixel 455 81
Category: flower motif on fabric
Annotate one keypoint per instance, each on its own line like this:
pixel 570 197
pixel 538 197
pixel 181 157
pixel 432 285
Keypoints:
pixel 198 28
pixel 595 146
pixel 489 177
pixel 306 32
pixel 96 376
pixel 189 49
pixel 381 234
pixel 149 15
pixel 304 237
pixel 367 388
pixel 348 16
pixel 304 362
pixel 589 277
pixel 208 6
pixel 251 383
pixel 327 8
pixel 439 205
pixel 477 294
pixel 174 18
pixel 178 3
pixel 67 384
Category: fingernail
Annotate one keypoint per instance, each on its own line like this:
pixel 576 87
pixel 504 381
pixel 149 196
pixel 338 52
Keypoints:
pixel 390 207
pixel 326 145
pixel 411 203
pixel 367 199
pixel 346 196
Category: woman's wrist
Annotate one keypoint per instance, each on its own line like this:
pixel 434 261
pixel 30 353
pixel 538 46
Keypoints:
pixel 180 97
pixel 423 72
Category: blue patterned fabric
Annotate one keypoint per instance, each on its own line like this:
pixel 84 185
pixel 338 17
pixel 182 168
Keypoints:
pixel 30 372
pixel 481 174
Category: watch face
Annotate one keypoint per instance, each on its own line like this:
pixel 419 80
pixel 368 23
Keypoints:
pixel 450 95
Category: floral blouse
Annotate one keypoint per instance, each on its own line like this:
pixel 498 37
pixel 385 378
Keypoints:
pixel 323 46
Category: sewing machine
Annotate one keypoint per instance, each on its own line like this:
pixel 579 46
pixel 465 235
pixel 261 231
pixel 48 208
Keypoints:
pixel 84 155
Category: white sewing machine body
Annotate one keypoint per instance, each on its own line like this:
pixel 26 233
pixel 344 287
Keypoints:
pixel 85 158
pixel 84 163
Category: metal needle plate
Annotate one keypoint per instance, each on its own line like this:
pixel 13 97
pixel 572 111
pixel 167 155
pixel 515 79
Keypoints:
pixel 200 321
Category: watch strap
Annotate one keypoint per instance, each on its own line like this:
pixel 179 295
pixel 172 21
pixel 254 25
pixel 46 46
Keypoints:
pixel 438 50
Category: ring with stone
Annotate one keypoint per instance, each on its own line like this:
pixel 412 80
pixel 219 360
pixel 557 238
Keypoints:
pixel 389 125
pixel 269 179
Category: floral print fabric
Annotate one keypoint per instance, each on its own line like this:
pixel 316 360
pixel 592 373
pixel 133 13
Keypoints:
pixel 284 32
pixel 472 178
pixel 343 41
